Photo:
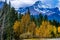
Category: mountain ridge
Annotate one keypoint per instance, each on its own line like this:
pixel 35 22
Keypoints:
pixel 38 7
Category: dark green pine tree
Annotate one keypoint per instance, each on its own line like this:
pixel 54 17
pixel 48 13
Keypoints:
pixel 19 15
pixel 11 16
pixel 4 13
pixel 55 23
pixel 40 19
pixel 45 18
pixel 32 18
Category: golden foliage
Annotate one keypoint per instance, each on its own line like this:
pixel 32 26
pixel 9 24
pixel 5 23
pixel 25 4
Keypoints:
pixel 44 30
pixel 58 29
pixel 16 26
pixel 24 25
pixel 31 27
pixel 25 19
pixel 37 31
pixel 54 30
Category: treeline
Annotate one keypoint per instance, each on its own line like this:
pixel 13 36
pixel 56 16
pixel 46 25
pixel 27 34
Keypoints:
pixel 31 27
pixel 17 27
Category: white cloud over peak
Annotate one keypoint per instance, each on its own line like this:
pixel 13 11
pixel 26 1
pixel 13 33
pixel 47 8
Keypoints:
pixel 21 3
pixel 58 5
pixel 26 3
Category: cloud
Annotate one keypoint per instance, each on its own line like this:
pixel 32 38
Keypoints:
pixel 21 3
pixel 50 3
pixel 25 3
pixel 2 0
pixel 58 5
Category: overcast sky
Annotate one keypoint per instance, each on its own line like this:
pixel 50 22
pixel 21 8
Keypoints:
pixel 25 3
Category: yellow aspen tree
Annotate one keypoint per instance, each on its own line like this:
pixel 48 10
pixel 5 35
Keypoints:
pixel 58 33
pixel 25 21
pixel 16 26
pixel 37 31
pixel 59 29
pixel 54 30
pixel 31 27
pixel 45 29
pixel 21 27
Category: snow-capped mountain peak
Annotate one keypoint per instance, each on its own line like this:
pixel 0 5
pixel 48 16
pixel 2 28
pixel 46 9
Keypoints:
pixel 39 7
pixel 39 4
